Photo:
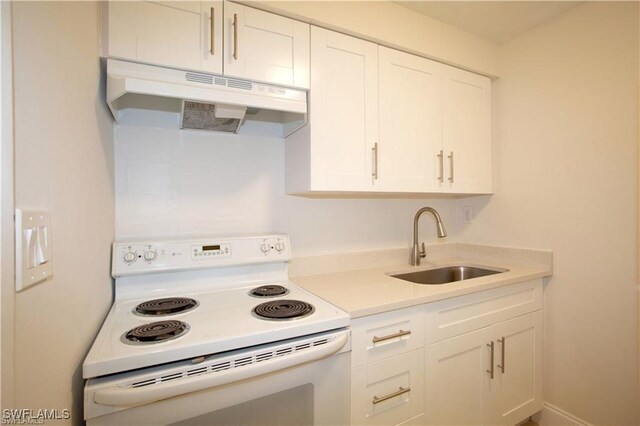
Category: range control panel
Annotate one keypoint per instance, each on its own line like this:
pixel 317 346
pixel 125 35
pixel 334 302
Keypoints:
pixel 139 257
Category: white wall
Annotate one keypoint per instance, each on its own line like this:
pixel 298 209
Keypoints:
pixel 63 163
pixel 171 183
pixel 6 209
pixel 566 165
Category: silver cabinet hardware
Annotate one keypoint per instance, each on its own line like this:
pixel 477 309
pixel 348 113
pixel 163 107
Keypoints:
pixel 400 333
pixel 441 174
pixel 399 392
pixel 450 157
pixel 213 37
pixel 235 36
pixel 490 371
pixel 502 345
pixel 375 160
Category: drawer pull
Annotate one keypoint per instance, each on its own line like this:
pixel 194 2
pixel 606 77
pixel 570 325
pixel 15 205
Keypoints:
pixel 399 392
pixel 400 333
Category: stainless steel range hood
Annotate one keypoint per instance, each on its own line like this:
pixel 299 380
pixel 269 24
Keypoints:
pixel 203 101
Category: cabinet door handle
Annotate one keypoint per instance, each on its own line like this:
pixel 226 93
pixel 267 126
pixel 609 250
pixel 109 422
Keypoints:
pixel 502 345
pixel 235 36
pixel 400 333
pixel 374 150
pixel 490 370
pixel 441 174
pixel 399 392
pixel 450 157
pixel 213 37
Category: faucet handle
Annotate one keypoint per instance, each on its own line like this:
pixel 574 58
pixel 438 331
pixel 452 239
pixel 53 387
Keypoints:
pixel 423 252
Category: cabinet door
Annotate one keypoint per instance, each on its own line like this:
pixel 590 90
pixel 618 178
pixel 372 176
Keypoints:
pixel 410 122
pixel 455 378
pixel 186 35
pixel 389 392
pixel 516 390
pixel 265 47
pixel 467 132
pixel 343 112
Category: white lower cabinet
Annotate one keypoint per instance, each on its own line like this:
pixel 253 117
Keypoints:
pixel 515 392
pixel 469 360
pixel 387 358
pixel 388 392
pixel 491 376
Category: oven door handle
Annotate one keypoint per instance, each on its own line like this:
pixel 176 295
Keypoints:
pixel 130 396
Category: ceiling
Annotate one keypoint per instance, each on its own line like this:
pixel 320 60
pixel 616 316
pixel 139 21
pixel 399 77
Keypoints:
pixel 498 21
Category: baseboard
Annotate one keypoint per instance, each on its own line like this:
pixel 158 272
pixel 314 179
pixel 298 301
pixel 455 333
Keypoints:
pixel 554 416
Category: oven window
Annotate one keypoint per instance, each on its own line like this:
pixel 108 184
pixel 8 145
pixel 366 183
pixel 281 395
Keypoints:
pixel 290 407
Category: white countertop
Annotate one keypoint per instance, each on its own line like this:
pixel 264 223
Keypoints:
pixel 367 291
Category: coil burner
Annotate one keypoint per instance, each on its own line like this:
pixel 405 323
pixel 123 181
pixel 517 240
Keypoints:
pixel 156 332
pixel 166 306
pixel 283 310
pixel 269 291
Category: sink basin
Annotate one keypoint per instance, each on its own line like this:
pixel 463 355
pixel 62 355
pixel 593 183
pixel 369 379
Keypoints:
pixel 447 274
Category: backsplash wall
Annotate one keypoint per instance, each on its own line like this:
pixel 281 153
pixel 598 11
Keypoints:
pixel 172 183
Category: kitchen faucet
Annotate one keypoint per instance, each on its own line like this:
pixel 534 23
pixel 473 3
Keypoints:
pixel 416 253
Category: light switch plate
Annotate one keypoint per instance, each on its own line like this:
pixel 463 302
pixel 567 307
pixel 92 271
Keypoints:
pixel 34 262
pixel 468 214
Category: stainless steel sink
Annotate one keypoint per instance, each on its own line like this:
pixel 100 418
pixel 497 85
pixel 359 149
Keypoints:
pixel 447 274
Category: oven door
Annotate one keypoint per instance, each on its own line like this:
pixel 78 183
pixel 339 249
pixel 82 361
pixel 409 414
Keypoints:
pixel 295 382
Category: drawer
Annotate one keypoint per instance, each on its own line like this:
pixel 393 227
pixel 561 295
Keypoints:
pixel 462 314
pixel 389 392
pixel 380 336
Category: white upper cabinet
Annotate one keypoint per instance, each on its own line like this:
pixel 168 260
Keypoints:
pixel 382 120
pixel 336 151
pixel 257 45
pixel 467 132
pixel 410 122
pixel 186 35
pixel 265 47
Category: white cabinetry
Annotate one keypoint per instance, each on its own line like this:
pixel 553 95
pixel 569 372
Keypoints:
pixel 257 45
pixel 336 150
pixel 410 122
pixel 382 120
pixel 185 35
pixel 387 385
pixel 472 360
pixel 516 389
pixel 490 371
pixel 467 132
pixel 265 47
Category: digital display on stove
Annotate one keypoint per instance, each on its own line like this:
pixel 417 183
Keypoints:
pixel 210 248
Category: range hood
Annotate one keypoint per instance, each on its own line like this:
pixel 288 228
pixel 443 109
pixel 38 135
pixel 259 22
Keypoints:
pixel 202 101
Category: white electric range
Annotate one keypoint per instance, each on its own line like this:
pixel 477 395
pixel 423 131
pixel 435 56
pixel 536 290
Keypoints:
pixel 205 331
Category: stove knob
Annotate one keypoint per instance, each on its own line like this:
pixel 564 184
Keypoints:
pixel 265 247
pixel 129 257
pixel 280 246
pixel 150 255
